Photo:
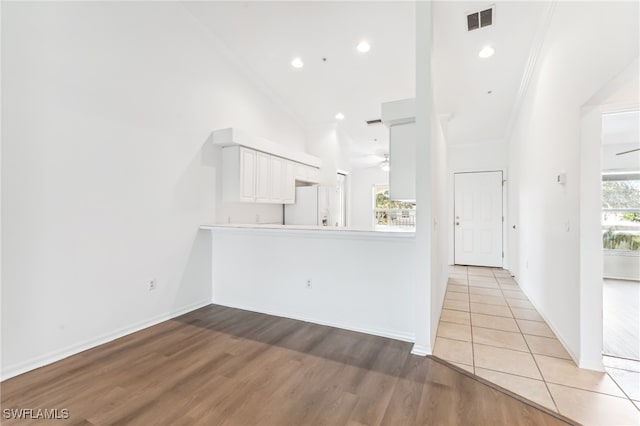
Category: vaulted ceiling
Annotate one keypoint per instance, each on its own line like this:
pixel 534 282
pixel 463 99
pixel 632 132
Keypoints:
pixel 480 94
pixel 265 36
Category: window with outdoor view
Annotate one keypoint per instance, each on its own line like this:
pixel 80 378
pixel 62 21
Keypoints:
pixel 621 211
pixel 392 214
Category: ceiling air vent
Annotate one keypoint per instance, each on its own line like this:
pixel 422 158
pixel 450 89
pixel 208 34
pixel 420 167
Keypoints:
pixel 480 19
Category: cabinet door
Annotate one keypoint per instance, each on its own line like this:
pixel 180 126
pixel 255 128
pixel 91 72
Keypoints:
pixel 289 183
pixel 277 179
pixel 263 178
pixel 247 175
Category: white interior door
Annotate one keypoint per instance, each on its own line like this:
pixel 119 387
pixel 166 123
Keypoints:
pixel 478 218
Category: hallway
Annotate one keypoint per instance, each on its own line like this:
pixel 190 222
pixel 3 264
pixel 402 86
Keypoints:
pixel 489 328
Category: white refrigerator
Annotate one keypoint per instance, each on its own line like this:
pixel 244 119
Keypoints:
pixel 315 206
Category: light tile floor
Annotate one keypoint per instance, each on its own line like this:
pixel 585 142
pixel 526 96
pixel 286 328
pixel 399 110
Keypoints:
pixel 489 328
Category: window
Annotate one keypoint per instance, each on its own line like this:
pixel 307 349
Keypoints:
pixel 390 214
pixel 621 211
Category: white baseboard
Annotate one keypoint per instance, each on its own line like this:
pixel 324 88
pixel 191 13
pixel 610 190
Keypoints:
pixel 573 356
pixel 391 334
pixel 41 361
pixel 421 350
pixel 591 364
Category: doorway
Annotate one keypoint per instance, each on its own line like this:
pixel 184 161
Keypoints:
pixel 478 218
pixel 620 152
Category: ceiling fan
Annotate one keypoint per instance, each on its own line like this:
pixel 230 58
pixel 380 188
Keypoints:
pixel 628 152
pixel 363 157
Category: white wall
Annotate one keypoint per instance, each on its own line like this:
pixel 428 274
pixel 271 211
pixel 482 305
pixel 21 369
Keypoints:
pixel 106 173
pixel 326 142
pixel 424 181
pixel 359 281
pixel 477 156
pixel 245 212
pixel 576 59
pixel 362 200
pixel 440 236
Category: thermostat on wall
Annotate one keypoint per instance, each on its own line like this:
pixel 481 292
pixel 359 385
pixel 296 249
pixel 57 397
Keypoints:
pixel 561 178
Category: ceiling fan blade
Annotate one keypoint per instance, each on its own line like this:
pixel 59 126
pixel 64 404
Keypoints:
pixel 628 152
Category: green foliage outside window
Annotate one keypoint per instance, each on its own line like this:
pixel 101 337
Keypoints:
pixel 620 228
pixel 613 239
pixel 385 215
pixel 621 194
pixel 631 217
pixel 384 202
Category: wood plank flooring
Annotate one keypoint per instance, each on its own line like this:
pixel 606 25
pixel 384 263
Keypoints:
pixel 621 318
pixel 223 366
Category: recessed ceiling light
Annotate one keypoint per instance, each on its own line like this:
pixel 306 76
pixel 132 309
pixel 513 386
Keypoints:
pixel 297 63
pixel 363 47
pixel 340 116
pixel 486 52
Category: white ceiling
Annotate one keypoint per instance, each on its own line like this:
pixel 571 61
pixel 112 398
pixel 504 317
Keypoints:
pixel 265 36
pixel 462 78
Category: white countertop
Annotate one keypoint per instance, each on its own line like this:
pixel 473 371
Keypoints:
pixel 341 230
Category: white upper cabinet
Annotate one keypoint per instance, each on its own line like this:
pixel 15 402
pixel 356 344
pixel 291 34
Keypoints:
pixel 277 179
pixel 239 170
pixel 247 175
pixel 255 170
pixel 307 174
pixel 263 178
pixel 256 177
pixel 289 183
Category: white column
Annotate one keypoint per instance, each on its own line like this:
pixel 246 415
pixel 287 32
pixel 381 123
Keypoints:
pixel 422 302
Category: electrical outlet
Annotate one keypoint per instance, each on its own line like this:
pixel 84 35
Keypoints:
pixel 309 284
pixel 152 285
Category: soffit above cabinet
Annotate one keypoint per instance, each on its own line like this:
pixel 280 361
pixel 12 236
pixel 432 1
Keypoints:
pixel 232 136
pixel 399 112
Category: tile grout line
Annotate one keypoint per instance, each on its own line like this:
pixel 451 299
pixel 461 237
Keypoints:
pixel 563 384
pixel 622 369
pixel 557 384
pixel 451 309
pixel 618 384
pixel 543 379
pixel 473 351
pixel 500 347
pixel 621 390
pixel 546 385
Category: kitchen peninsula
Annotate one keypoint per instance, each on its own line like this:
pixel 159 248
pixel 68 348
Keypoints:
pixel 353 279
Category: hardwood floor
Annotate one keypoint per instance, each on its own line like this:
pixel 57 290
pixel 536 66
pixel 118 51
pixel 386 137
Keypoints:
pixel 223 366
pixel 621 318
